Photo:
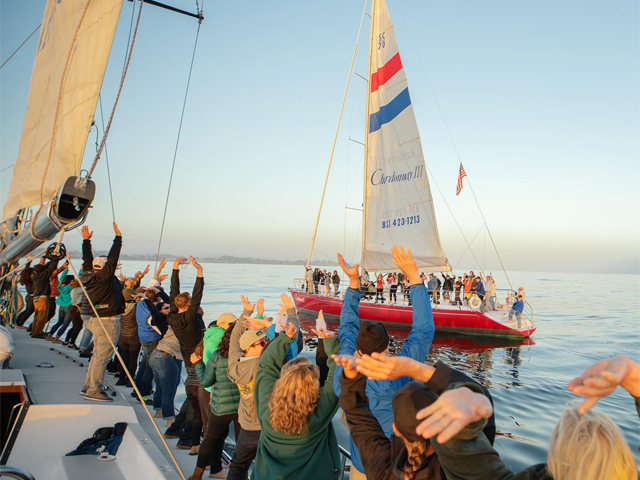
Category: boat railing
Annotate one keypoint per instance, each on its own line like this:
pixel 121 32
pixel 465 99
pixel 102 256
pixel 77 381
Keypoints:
pixel 343 452
pixel 504 298
pixel 8 471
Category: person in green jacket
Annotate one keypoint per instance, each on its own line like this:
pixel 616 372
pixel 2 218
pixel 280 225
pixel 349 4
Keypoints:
pixel 298 439
pixel 225 398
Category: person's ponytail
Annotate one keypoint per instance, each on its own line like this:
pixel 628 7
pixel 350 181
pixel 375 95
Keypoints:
pixel 416 456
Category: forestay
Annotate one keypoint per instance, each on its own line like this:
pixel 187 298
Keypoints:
pixel 71 57
pixel 398 203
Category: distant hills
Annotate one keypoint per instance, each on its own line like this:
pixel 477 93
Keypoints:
pixel 223 259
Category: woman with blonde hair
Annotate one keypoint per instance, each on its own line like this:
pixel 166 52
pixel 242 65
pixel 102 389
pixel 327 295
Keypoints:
pixel 585 443
pixel 298 439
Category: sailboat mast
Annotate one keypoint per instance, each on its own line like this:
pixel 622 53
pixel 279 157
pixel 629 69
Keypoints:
pixel 366 135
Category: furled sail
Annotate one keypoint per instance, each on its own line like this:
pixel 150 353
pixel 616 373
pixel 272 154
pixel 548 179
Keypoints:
pixel 398 203
pixel 71 58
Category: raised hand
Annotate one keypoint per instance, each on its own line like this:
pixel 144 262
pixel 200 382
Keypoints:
pixel 260 305
pixel 86 233
pixel 381 367
pixel 287 303
pixel 454 410
pixel 351 272
pixel 251 323
pixel 246 305
pixel 162 278
pixel 603 377
pixel 116 230
pixel 162 264
pixel 323 333
pixel 179 261
pixel 146 270
pixel 348 363
pixel 290 329
pixel 122 277
pixel 404 261
pixel 320 323
pixel 195 358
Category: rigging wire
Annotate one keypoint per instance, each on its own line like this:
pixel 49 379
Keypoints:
pixel 106 157
pixel 435 98
pixel 106 131
pixel 175 153
pixel 21 45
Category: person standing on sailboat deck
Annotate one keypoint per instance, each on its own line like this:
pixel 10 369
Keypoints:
pixel 105 294
pixel 447 287
pixel 188 326
pixel 336 283
pixel 309 278
pixel 245 348
pixel 480 291
pixel 490 286
pixel 459 285
pixel 357 338
pixel 40 276
pixel 432 287
pixel 25 281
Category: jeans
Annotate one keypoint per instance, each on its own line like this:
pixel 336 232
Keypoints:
pixel 243 455
pixel 72 335
pixel 144 377
pixel 102 350
pixel 87 336
pixel 129 349
pixel 213 443
pixel 64 319
pixel 27 312
pixel 166 371
pixel 41 307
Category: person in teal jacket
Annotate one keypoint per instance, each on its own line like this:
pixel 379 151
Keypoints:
pixel 372 336
pixel 225 398
pixel 63 300
pixel 298 439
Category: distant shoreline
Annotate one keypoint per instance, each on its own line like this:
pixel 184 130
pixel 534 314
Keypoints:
pixel 222 259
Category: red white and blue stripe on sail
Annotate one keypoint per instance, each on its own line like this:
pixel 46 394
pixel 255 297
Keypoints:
pixel 398 104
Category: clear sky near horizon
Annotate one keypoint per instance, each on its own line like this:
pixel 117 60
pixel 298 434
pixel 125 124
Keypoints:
pixel 541 99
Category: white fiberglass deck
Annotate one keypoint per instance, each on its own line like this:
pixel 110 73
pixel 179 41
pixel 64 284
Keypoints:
pixel 61 419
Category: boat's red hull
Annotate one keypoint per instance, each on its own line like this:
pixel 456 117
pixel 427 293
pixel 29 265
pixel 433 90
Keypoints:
pixel 458 321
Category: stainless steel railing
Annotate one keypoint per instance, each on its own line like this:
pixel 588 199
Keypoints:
pixel 8 471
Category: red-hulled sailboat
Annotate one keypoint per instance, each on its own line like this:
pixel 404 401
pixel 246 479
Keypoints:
pixel 398 204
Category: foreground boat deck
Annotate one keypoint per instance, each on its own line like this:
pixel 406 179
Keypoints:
pixel 61 385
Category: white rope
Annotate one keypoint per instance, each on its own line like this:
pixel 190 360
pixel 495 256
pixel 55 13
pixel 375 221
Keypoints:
pixel 125 369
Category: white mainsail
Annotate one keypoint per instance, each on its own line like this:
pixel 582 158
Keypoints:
pixel 71 58
pixel 398 206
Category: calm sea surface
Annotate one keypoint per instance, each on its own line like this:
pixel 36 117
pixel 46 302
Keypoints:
pixel 581 318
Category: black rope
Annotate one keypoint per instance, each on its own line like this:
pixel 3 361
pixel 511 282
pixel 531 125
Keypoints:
pixel 21 45
pixel 175 153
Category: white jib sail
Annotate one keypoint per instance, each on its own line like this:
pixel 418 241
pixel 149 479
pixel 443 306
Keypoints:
pixel 398 203
pixel 62 97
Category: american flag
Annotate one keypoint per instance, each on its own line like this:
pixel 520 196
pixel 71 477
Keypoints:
pixel 461 175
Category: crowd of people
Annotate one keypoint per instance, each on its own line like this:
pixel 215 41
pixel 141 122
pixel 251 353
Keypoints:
pixel 407 420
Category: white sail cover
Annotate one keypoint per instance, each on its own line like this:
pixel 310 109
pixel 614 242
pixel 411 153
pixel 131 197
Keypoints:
pixel 66 86
pixel 398 203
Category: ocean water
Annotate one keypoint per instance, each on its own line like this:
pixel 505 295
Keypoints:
pixel 580 318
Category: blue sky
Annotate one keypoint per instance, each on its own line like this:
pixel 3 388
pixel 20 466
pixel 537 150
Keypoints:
pixel 541 99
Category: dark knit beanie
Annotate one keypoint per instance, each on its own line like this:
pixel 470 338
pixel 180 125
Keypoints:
pixel 406 403
pixel 372 337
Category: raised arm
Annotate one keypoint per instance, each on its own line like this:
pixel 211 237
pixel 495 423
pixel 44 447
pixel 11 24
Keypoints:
pixel 269 370
pixel 349 316
pixel 366 432
pixel 198 287
pixel 87 253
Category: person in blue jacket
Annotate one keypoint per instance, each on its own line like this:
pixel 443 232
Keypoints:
pixel 517 309
pixel 365 337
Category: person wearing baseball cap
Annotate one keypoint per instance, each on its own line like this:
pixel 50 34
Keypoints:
pixel 408 452
pixel 365 338
pixel 105 296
